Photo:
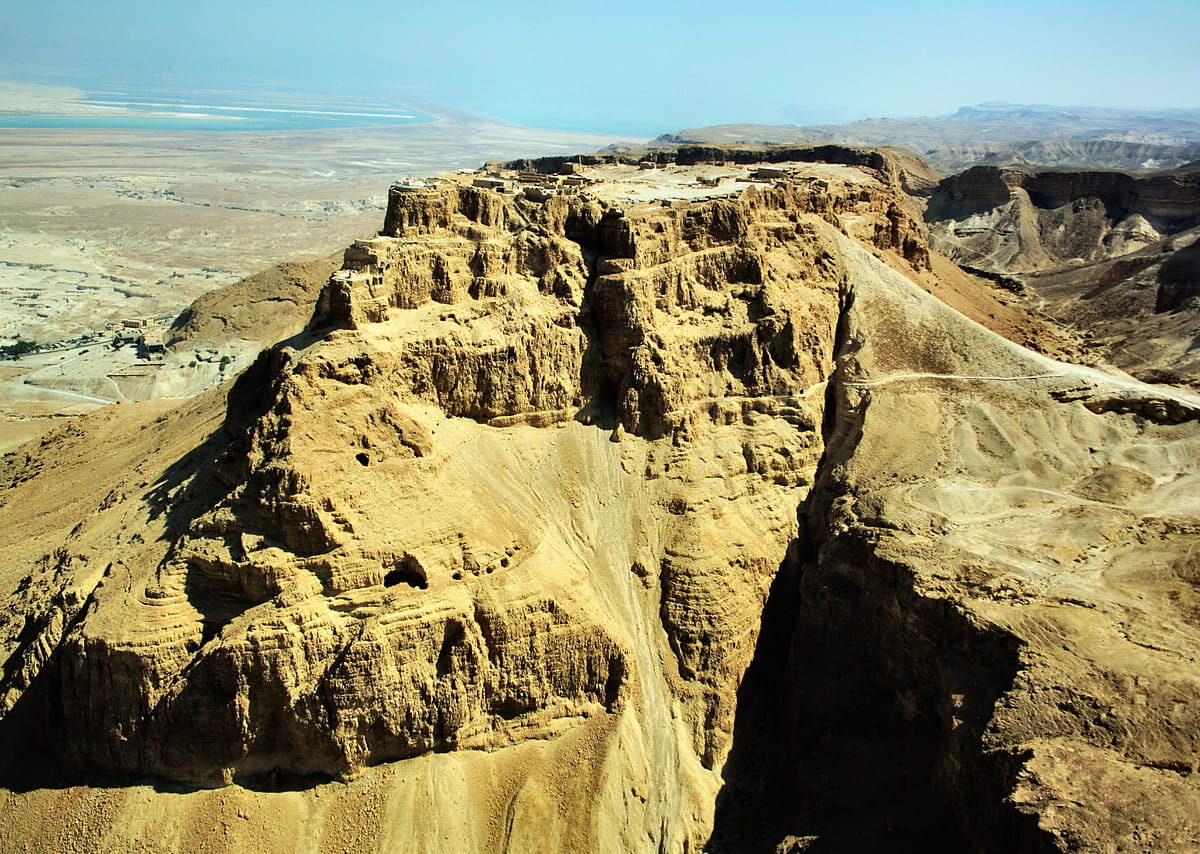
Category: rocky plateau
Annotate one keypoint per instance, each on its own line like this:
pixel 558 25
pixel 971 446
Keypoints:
pixel 666 505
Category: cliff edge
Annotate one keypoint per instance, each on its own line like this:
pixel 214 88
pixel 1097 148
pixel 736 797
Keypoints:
pixel 657 509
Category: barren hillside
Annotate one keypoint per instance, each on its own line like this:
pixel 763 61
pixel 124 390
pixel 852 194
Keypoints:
pixel 1111 254
pixel 608 505
pixel 998 134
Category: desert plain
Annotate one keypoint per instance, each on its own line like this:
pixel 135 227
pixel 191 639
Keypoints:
pixel 111 233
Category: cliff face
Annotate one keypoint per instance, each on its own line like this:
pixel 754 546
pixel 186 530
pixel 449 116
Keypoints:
pixel 416 617
pixel 1107 253
pixel 492 541
pixel 1017 219
pixel 987 560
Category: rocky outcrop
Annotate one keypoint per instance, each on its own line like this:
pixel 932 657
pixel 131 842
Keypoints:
pixel 265 307
pixel 895 166
pixel 717 270
pixel 1016 219
pixel 492 539
pixel 293 627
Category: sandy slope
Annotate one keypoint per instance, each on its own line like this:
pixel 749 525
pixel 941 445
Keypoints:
pixel 761 408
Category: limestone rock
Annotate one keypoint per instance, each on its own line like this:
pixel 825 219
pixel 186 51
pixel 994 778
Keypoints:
pixel 1019 218
pixel 855 563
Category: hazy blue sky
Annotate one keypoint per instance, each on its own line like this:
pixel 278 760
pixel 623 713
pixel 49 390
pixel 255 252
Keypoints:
pixel 625 66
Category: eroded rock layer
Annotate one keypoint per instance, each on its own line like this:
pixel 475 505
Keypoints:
pixel 492 540
pixel 1110 254
pixel 1019 219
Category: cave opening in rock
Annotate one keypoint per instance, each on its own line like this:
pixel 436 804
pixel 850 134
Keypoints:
pixel 407 570
pixel 362 458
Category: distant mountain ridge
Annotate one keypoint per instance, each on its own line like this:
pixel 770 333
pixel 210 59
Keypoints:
pixel 999 134
pixel 989 110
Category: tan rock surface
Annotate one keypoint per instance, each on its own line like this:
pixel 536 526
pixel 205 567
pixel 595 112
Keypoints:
pixel 1014 564
pixel 99 227
pixel 1111 255
pixel 479 561
pixel 1022 219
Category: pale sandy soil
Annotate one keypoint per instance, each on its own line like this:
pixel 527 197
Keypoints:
pixel 102 226
pixel 992 532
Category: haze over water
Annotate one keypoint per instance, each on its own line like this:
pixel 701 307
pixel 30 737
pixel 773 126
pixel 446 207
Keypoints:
pixel 212 111
pixel 623 67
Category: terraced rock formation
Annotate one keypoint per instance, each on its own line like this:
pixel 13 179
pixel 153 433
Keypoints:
pixel 1018 219
pixel 588 521
pixel 1108 253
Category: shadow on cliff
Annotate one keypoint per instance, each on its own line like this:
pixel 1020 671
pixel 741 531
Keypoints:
pixel 33 734
pixel 599 381
pixel 821 759
pixel 600 375
pixel 205 476
pixel 209 468
pixel 1179 279
pixel 861 717
pixel 859 728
